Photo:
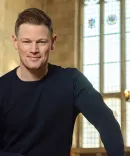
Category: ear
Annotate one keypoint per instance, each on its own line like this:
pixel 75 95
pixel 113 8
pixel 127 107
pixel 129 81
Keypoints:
pixel 53 42
pixel 15 42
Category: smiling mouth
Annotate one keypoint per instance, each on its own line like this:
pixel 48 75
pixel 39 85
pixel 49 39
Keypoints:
pixel 34 58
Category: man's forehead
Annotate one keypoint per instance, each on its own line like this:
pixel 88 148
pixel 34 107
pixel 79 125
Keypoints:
pixel 33 31
pixel 34 28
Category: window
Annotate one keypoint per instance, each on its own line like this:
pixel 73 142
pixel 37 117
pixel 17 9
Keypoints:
pixel 127 60
pixel 106 61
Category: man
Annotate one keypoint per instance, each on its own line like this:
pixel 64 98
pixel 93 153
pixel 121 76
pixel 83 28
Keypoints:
pixel 39 102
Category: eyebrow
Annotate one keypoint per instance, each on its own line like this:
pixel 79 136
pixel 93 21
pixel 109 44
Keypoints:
pixel 36 40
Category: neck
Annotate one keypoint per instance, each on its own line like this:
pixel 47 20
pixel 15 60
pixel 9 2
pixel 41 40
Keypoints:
pixel 26 74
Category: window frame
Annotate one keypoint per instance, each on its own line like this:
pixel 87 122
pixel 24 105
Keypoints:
pixel 120 94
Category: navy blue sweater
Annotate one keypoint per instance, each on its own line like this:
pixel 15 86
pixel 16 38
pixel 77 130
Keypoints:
pixel 37 118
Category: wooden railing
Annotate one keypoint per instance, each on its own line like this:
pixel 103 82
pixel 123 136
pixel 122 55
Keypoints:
pixel 93 151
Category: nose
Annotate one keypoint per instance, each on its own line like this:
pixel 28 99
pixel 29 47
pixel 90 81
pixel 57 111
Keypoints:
pixel 34 48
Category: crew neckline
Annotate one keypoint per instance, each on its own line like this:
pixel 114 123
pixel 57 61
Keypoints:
pixel 35 81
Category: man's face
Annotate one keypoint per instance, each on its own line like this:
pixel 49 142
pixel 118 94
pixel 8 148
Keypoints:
pixel 34 44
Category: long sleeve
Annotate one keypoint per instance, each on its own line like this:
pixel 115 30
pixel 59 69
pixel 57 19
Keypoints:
pixel 90 103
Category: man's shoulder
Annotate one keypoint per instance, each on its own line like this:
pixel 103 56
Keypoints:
pixel 65 71
pixel 7 77
pixel 5 83
pixel 74 74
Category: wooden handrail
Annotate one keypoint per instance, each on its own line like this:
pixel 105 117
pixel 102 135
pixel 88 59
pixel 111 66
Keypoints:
pixel 92 150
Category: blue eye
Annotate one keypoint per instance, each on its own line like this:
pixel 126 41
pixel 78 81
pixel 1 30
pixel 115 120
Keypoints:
pixel 26 41
pixel 41 42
